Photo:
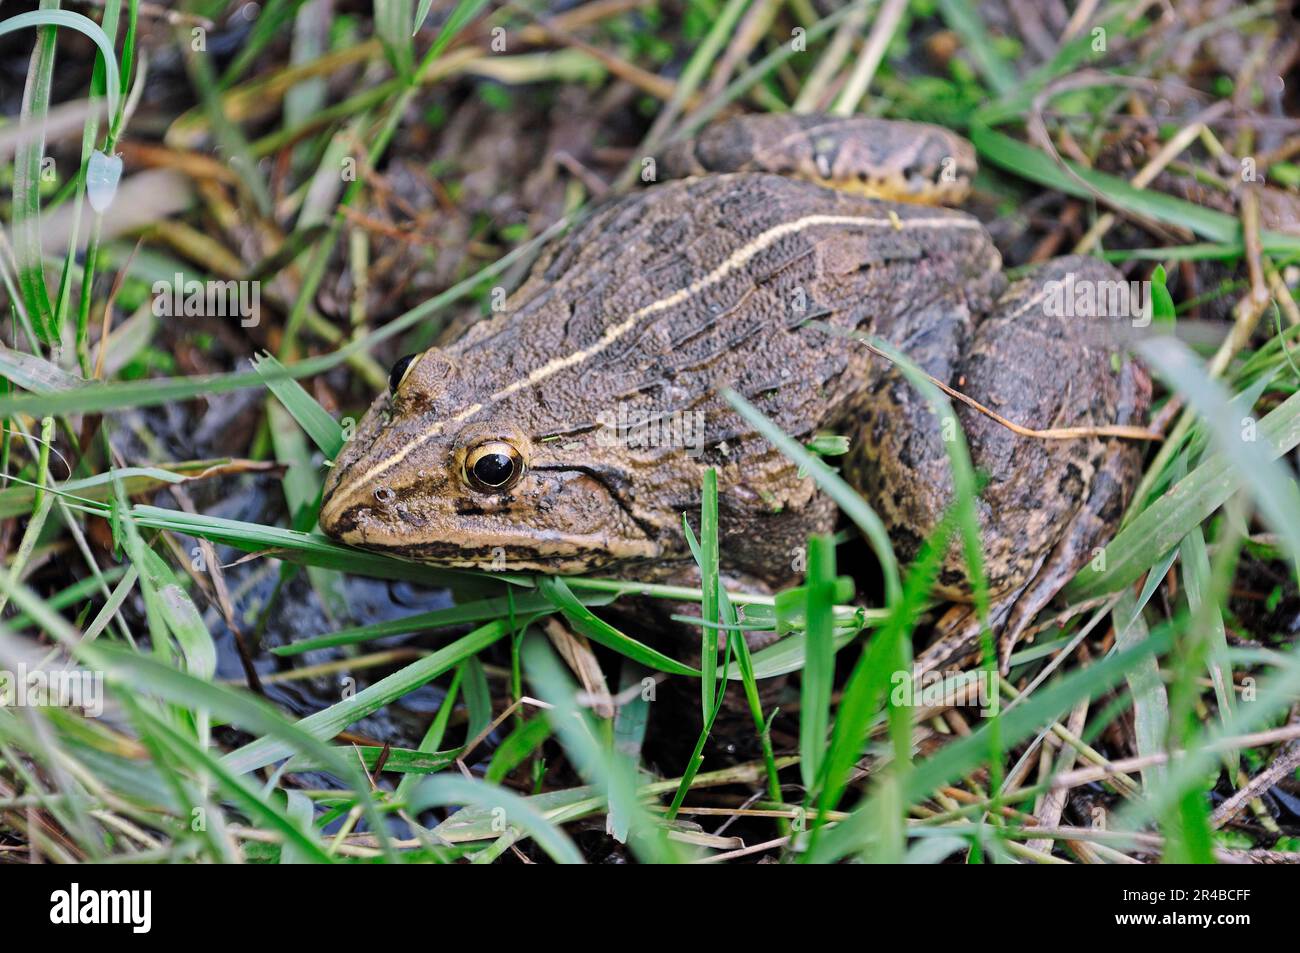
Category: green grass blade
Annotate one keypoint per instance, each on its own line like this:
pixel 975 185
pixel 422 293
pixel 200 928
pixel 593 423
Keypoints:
pixel 514 810
pixel 964 19
pixel 323 429
pixel 457 20
pixel 1150 700
pixel 404 761
pixel 598 630
pixel 599 764
pixel 479 610
pixel 884 659
pixel 34 373
pixel 1274 490
pixel 819 668
pixel 28 170
pixel 421 14
pixel 518 746
pixel 75 21
pixel 330 721
pixel 966 754
pixel 1158 529
pixel 393 21
pixel 311 549
pixel 1030 163
pixel 708 563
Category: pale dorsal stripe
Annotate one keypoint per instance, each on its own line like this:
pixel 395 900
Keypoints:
pixel 738 259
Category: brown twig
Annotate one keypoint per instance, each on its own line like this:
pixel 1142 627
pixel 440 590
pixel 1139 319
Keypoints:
pixel 1282 767
pixel 1051 433
pixel 1126 766
pixel 553 29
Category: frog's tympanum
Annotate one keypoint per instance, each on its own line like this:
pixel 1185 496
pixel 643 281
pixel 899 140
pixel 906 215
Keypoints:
pixel 570 432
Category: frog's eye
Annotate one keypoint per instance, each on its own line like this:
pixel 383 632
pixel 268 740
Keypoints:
pixel 399 371
pixel 493 467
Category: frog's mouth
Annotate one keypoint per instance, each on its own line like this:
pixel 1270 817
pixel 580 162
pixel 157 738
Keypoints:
pixel 573 556
pixel 566 554
pixel 564 521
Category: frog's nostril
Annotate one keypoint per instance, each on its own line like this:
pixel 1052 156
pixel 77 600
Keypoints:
pixel 384 496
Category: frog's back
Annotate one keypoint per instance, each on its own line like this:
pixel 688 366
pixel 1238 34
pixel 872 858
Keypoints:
pixel 665 297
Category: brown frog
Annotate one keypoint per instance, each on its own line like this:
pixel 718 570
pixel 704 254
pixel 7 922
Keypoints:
pixel 570 432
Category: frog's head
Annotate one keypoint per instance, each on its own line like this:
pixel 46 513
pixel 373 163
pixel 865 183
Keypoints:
pixel 441 471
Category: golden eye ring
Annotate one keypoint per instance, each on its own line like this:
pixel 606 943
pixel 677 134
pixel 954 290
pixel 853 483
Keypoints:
pixel 493 466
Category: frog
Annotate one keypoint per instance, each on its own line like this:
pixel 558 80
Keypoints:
pixel 570 431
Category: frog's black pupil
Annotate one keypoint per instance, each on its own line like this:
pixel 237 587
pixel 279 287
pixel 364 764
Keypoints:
pixel 395 375
pixel 493 469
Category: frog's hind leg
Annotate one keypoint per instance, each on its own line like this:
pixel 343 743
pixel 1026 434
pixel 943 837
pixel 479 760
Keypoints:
pixel 1047 503
pixel 1012 613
